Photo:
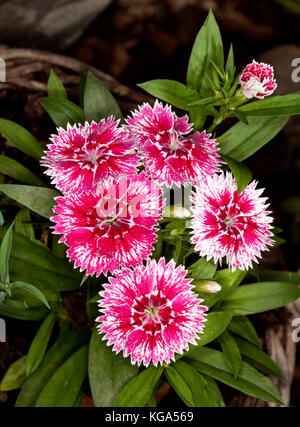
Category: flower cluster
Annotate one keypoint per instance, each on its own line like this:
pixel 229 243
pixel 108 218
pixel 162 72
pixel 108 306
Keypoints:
pixel 109 213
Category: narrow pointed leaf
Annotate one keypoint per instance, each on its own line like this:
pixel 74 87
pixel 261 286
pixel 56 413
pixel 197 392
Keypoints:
pixel 108 372
pixel 173 92
pixel 19 172
pixel 39 200
pixel 231 353
pixel 139 390
pixel 208 47
pixel 190 385
pixel 22 223
pixel 56 88
pixel 242 174
pixel 67 344
pixel 261 359
pixel 39 344
pixel 242 326
pixel 5 251
pixel 21 138
pixel 33 290
pixel 15 376
pixel 212 362
pixel 259 297
pixel 241 140
pixel 286 105
pixel 98 101
pixel 63 387
pixel 62 111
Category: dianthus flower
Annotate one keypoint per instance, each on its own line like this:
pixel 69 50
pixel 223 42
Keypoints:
pixel 83 155
pixel 151 313
pixel 111 227
pixel 171 154
pixel 228 224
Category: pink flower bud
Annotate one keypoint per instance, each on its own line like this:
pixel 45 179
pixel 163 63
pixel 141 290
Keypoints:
pixel 257 80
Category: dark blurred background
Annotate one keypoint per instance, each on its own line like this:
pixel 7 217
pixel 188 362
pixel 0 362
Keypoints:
pixel 139 40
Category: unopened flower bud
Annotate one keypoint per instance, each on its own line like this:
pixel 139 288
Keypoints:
pixel 207 286
pixel 257 80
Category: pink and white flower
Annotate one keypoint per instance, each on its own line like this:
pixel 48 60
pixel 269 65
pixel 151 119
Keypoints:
pixel 257 80
pixel 171 154
pixel 151 313
pixel 228 224
pixel 84 155
pixel 111 227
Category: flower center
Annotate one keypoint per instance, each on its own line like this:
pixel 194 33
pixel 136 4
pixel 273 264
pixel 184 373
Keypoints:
pixel 109 220
pixel 229 221
pixel 92 157
pixel 174 143
pixel 152 313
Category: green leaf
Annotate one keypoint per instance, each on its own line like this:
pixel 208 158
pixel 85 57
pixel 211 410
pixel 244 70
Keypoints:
pixel 39 200
pixel 1 219
pixel 62 111
pixel 230 68
pixel 286 105
pixel 21 138
pixel 242 326
pixel 19 172
pixel 250 381
pixel 215 325
pixel 231 353
pixel 279 276
pixel 240 171
pixel 66 345
pixel 5 251
pixel 241 116
pixel 63 387
pixel 36 264
pixel 39 344
pixel 173 92
pixel 56 88
pixel 208 47
pixel 151 402
pixel 138 391
pixel 108 372
pixel 214 388
pixel 261 359
pixel 198 117
pixel 22 223
pixel 31 289
pixel 34 314
pixel 190 385
pixel 241 140
pixel 98 101
pixel 259 297
pixel 202 269
pixel 15 376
